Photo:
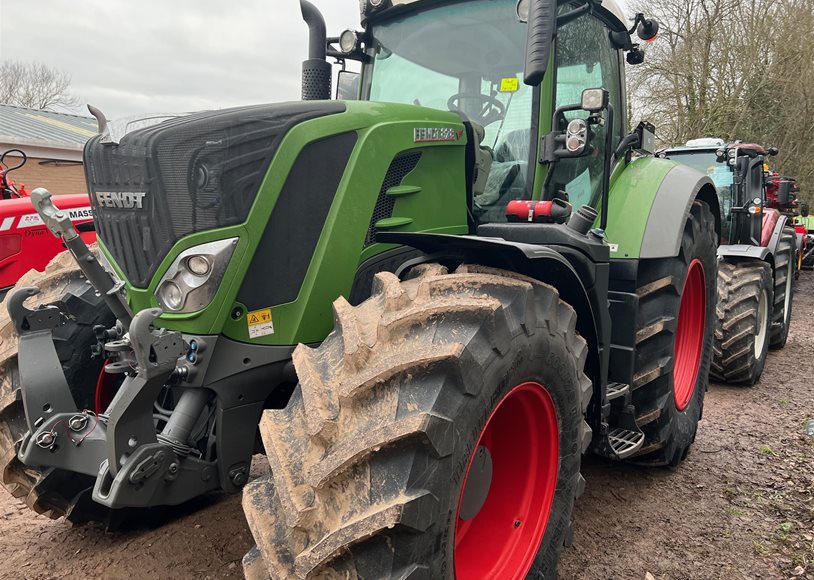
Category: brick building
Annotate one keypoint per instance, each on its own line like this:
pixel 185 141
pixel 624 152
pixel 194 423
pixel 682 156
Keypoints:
pixel 53 143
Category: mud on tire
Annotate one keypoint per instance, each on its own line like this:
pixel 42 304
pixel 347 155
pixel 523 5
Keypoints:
pixel 669 432
pixel 368 459
pixel 783 288
pixel 52 492
pixel 741 340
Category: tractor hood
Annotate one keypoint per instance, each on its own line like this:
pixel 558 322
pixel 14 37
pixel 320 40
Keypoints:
pixel 161 182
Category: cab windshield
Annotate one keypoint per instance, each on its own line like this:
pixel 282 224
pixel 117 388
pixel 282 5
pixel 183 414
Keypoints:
pixel 468 58
pixel 720 173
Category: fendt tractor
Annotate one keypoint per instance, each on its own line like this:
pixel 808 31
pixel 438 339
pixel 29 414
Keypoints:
pixel 757 255
pixel 515 279
pixel 25 242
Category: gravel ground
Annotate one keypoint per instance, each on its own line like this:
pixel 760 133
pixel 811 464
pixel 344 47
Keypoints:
pixel 741 506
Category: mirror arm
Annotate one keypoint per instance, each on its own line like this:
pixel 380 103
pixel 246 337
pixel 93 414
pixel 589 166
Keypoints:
pixel 586 8
pixel 606 174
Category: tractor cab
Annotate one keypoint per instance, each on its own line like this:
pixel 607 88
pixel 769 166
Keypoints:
pixel 738 171
pixel 471 58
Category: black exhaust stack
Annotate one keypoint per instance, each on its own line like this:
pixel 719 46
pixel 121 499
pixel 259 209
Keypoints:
pixel 316 71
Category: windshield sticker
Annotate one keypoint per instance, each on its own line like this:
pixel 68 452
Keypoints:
pixel 509 85
pixel 260 323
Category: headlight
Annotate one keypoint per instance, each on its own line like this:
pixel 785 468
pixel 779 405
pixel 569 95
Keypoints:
pixel 171 295
pixel 199 265
pixel 190 283
pixel 348 41
pixel 367 6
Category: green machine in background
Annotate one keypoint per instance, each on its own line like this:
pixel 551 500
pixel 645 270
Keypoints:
pixel 486 273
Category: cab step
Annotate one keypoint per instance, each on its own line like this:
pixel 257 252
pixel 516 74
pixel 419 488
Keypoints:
pixel 616 390
pixel 625 442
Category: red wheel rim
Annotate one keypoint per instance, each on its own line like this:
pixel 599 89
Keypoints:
pixel 503 537
pixel 692 316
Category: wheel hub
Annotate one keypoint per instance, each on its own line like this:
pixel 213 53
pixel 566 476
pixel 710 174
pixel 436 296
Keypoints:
pixel 478 482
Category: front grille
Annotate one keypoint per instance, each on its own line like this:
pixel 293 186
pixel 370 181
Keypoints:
pixel 400 167
pixel 193 173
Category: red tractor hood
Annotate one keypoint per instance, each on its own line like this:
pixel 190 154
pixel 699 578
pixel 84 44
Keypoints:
pixel 25 242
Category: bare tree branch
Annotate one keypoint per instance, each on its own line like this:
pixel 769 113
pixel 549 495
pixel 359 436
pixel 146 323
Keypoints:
pixel 35 86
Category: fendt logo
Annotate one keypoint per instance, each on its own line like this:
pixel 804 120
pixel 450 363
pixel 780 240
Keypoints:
pixel 121 199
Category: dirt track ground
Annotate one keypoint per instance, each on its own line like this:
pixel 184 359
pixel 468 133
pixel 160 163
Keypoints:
pixel 741 506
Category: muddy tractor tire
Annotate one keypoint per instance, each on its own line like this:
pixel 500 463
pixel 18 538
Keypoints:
pixel 674 325
pixel 784 265
pixel 52 492
pixel 436 433
pixel 743 320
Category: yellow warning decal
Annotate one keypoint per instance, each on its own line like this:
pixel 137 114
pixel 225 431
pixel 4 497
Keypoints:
pixel 260 323
pixel 509 85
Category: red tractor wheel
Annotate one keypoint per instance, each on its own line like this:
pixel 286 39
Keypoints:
pixel 437 432
pixel 509 488
pixel 674 329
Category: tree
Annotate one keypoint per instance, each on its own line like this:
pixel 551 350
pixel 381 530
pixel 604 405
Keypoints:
pixel 735 69
pixel 35 86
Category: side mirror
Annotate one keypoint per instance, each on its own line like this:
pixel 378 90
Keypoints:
pixel 542 19
pixel 347 86
pixel 648 29
pixel 804 210
pixel 773 151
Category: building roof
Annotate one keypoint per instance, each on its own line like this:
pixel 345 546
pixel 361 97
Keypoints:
pixel 31 127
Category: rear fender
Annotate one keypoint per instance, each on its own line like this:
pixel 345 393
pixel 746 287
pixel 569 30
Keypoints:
pixel 649 204
pixel 743 251
pixel 777 232
pixel 771 219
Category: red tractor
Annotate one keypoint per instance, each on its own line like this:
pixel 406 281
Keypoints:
pixel 25 242
pixel 782 193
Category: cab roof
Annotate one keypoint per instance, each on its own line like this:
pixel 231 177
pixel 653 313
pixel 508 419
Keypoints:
pixel 611 8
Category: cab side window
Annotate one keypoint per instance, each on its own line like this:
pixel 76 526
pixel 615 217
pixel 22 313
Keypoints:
pixel 586 59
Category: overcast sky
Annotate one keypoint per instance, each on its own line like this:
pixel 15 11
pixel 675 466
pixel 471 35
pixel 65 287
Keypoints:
pixel 141 56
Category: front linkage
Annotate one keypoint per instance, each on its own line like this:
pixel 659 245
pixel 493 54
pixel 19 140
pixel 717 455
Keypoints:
pixel 134 464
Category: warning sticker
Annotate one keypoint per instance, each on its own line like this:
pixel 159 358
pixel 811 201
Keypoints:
pixel 509 85
pixel 260 323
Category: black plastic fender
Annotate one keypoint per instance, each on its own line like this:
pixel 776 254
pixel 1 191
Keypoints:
pixel 674 198
pixel 536 261
pixel 743 251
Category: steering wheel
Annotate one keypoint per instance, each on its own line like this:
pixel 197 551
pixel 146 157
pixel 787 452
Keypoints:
pixel 491 108
pixel 7 190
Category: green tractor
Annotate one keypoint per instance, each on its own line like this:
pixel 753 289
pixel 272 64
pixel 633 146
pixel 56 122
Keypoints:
pixel 483 333
pixel 758 254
